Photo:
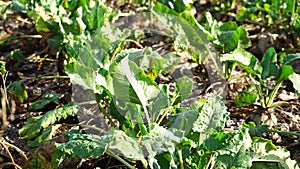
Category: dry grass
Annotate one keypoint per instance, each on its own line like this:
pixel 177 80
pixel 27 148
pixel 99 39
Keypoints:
pixel 5 123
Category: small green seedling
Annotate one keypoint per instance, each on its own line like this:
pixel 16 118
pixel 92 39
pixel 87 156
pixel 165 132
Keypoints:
pixel 266 75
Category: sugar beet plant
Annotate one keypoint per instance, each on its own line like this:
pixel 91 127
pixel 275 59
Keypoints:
pixel 189 137
pixel 143 120
pixel 267 76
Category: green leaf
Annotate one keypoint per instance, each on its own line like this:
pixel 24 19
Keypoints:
pixel 160 140
pixel 128 146
pixel 177 5
pixel 159 7
pixel 211 26
pixel 132 85
pixel 45 136
pixel 233 150
pixel 93 57
pixel 295 79
pixel 81 75
pixel 17 55
pixel 284 72
pixel 212 116
pixel 245 99
pixel 184 87
pixel 266 154
pixel 242 14
pixel 256 130
pixel 18 90
pixel 269 64
pixel 33 126
pixel 245 59
pixel 47 98
pixel 149 61
pixel 290 58
pixel 244 40
pixel 165 160
pixel 229 36
pixel 232 36
pixel 185 119
pixel 2 67
pixel 82 146
pixel 94 18
pixel 172 60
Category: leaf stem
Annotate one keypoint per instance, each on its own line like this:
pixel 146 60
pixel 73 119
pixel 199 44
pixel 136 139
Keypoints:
pixel 111 153
pixel 289 133
pixel 273 94
pixel 210 161
pixel 118 49
pixel 85 126
pixel 180 158
pixel 165 112
pixel 259 92
pixel 48 77
pixel 107 116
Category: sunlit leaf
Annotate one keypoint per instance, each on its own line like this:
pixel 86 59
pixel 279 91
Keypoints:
pixel 295 79
pixel 245 59
pixel 126 146
pixel 268 155
pixel 131 84
pixel 213 115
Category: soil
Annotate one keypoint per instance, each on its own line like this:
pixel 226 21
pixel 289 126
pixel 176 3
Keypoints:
pixel 40 61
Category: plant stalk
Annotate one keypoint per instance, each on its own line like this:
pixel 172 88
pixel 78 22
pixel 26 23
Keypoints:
pixel 259 92
pixel 289 133
pixel 48 77
pixel 111 153
pixel 180 158
pixel 273 94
